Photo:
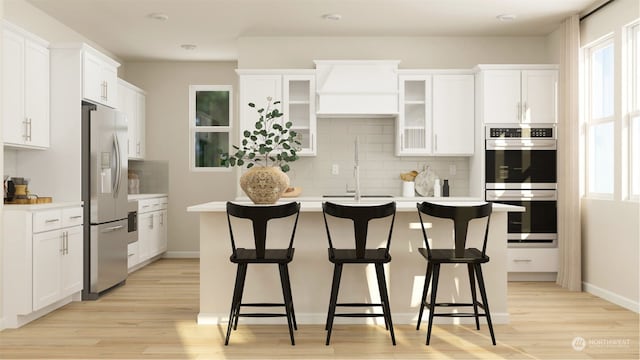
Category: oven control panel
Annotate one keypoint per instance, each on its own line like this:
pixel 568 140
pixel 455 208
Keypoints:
pixel 520 132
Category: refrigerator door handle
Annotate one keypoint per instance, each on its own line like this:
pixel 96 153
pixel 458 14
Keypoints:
pixel 116 185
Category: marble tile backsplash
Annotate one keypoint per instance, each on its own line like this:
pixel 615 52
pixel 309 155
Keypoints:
pixel 379 167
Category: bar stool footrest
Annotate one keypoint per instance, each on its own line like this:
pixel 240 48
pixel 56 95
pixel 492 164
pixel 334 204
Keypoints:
pixel 261 315
pixel 358 315
pixel 459 315
pixel 263 304
pixel 358 304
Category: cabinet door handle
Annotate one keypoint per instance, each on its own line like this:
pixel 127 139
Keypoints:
pixel 106 91
pixel 525 112
pixel 61 250
pixel 435 137
pixel 66 243
pixel 522 260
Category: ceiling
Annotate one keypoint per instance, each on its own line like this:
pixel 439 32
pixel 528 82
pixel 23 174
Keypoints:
pixel 214 26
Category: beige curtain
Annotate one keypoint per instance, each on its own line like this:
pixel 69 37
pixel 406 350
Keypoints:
pixel 569 237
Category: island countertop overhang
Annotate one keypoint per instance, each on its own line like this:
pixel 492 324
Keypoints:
pixel 403 204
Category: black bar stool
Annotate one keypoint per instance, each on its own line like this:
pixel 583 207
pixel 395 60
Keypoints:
pixel 260 216
pixel 461 216
pixel 360 215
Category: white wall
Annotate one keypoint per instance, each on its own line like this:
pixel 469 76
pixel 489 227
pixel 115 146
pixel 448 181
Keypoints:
pixel 167 139
pixel 610 228
pixel 414 52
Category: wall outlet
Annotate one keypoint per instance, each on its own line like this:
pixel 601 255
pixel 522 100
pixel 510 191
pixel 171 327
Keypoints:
pixel 452 169
pixel 335 169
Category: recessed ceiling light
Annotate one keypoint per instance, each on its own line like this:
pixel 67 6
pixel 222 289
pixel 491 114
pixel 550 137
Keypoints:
pixel 188 46
pixel 334 17
pixel 158 16
pixel 506 17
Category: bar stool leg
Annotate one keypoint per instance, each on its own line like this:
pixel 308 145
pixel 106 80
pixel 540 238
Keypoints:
pixel 472 283
pixel 432 305
pixel 293 312
pixel 243 269
pixel 235 301
pixel 386 308
pixel 286 299
pixel 337 272
pixel 483 293
pixel 427 279
pixel 381 283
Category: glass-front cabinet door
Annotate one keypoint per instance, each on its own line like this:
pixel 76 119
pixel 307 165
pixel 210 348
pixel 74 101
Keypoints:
pixel 414 119
pixel 299 108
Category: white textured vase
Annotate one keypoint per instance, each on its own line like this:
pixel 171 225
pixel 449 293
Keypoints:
pixel 264 184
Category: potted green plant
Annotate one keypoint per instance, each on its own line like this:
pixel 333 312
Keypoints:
pixel 265 151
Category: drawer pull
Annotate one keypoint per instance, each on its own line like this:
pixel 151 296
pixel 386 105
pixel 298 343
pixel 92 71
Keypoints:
pixel 75 217
pixel 522 260
pixel 130 255
pixel 49 221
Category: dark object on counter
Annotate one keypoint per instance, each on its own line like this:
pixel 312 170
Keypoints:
pixel 461 254
pixel 445 188
pixel 10 192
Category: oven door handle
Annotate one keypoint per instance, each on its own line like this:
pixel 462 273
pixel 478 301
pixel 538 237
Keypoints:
pixel 521 197
pixel 511 144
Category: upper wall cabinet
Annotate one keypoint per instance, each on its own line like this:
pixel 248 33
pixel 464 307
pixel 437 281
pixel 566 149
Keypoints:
pixel 436 114
pixel 132 102
pixel 296 91
pixel 100 78
pixel 518 94
pixel 25 88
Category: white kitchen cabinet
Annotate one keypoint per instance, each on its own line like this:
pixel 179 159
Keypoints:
pixel 436 114
pixel 99 78
pixel 453 114
pixel 414 132
pixel 295 89
pixel 132 102
pixel 42 260
pixel 152 227
pixel 25 88
pixel 533 260
pixel 299 108
pixel 518 95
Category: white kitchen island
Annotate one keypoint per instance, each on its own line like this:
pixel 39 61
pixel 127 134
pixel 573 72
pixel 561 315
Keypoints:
pixel 311 272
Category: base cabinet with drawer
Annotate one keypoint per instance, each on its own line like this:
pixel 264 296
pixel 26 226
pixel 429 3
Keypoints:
pixel 532 260
pixel 42 261
pixel 152 231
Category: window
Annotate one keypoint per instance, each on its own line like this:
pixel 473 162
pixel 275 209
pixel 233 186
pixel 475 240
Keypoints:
pixel 634 110
pixel 600 117
pixel 210 125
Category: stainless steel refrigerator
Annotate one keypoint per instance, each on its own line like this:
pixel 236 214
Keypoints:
pixel 104 194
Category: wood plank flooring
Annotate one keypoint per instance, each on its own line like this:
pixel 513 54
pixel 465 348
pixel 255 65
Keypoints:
pixel 153 317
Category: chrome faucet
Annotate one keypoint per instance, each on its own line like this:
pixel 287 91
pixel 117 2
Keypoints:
pixel 356 172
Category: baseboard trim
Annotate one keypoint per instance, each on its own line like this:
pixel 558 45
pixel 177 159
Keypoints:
pixel 181 255
pixel 319 319
pixel 611 297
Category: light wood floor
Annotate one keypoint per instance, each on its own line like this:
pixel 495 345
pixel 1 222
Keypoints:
pixel 153 317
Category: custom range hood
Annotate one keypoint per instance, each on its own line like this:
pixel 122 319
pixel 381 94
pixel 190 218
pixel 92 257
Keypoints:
pixel 357 88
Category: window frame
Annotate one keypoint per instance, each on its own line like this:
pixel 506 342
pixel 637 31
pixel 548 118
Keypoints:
pixel 632 110
pixel 193 129
pixel 590 122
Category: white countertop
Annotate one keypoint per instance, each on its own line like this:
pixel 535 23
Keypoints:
pixel 403 204
pixel 134 197
pixel 33 207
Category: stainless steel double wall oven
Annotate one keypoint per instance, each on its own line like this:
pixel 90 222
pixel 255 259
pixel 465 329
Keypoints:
pixel 521 169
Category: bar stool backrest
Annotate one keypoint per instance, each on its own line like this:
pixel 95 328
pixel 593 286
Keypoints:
pixel 260 216
pixel 360 215
pixel 461 216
